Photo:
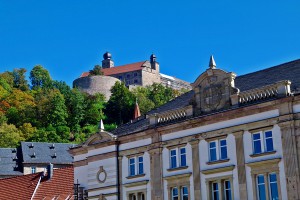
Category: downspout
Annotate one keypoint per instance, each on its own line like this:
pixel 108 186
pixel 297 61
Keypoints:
pixel 118 171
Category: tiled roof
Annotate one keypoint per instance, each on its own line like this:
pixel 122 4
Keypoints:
pixel 18 188
pixel 287 71
pixel 41 152
pixel 119 69
pixel 60 185
pixel 9 165
pixel 23 187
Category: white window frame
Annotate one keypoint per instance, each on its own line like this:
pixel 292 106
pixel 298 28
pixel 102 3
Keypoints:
pixel 136 165
pixel 213 191
pixel 173 197
pixel 33 169
pixel 263 141
pixel 218 150
pixel 177 157
pixel 182 194
pixel 226 189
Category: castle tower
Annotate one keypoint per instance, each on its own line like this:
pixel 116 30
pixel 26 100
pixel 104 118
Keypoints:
pixel 107 62
pixel 154 63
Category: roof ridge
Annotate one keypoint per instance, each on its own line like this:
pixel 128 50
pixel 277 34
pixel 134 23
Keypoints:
pixel 21 176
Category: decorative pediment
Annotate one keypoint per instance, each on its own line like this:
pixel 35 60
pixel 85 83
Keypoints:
pixel 213 89
pixel 102 136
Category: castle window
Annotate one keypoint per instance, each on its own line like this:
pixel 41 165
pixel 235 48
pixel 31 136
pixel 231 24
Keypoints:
pixel 135 81
pixel 178 157
pixel 262 142
pixel 135 74
pixel 128 75
pixel 120 77
pixel 217 150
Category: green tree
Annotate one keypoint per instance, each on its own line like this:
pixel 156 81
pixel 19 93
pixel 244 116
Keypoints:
pixel 120 106
pixel 57 113
pixel 94 109
pixel 160 94
pixel 20 81
pixel 96 71
pixel 28 131
pixel 10 136
pixel 142 95
pixel 40 77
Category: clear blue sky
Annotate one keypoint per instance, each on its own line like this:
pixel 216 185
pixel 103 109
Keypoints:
pixel 68 37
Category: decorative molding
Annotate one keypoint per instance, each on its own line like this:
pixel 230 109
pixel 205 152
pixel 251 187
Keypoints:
pixel 262 154
pixel 178 176
pixel 264 162
pixel 135 176
pixel 217 161
pixel 101 175
pixel 218 170
pixel 266 128
pixel 177 168
pixel 139 183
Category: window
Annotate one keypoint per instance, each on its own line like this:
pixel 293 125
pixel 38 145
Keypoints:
pixel 183 195
pixel 135 74
pixel 178 157
pixel 120 77
pixel 217 150
pixel 137 196
pixel 33 170
pixel 128 75
pixel 262 142
pixel 135 81
pixel 136 166
pixel 272 186
pixel 221 189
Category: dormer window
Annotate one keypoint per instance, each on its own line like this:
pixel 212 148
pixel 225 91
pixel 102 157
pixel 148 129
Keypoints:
pixel 52 146
pixel 31 146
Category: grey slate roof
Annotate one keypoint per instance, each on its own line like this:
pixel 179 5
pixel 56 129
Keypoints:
pixel 8 163
pixel 44 153
pixel 286 71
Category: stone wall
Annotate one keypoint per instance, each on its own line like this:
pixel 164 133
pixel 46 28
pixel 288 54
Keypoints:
pixel 96 84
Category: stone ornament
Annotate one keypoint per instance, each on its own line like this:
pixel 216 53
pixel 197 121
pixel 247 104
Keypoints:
pixel 101 175
pixel 101 197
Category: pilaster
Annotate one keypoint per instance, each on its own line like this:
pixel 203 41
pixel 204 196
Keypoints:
pixel 196 168
pixel 156 166
pixel 241 163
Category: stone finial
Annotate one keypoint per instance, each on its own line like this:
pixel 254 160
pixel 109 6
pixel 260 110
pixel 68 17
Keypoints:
pixel 212 63
pixel 101 126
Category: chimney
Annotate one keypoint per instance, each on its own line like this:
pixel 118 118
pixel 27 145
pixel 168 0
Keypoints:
pixel 49 171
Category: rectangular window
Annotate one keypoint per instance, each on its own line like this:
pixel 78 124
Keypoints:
pixel 131 166
pixel 273 186
pixel 215 191
pixel 213 151
pixel 184 193
pixel 261 188
pixel 33 170
pixel 135 81
pixel 223 149
pixel 218 150
pixel 175 193
pixel 262 142
pixel 227 190
pixel 182 157
pixel 178 157
pixel 141 165
pixel 173 156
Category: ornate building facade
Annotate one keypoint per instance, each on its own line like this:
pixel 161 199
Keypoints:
pixel 231 137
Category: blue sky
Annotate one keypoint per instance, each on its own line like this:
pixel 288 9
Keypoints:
pixel 69 37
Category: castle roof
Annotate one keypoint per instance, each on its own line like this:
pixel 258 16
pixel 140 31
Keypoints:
pixel 286 71
pixel 119 69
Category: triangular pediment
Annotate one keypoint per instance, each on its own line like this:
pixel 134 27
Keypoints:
pixel 102 136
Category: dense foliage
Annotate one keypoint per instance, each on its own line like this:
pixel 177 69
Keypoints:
pixel 50 111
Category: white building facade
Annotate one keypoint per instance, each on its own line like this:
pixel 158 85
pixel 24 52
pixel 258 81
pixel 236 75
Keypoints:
pixel 223 140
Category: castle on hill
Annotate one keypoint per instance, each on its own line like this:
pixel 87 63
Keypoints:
pixel 142 73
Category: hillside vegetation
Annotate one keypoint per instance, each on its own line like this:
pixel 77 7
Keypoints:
pixel 47 110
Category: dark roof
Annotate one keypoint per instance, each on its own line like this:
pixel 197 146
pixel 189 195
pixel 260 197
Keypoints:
pixel 287 71
pixel 9 165
pixel 45 152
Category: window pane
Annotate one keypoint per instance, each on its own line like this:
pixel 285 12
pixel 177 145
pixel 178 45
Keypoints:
pixel 173 152
pixel 227 188
pixel 257 147
pixel 256 136
pixel 224 152
pixel 131 160
pixel 273 187
pixel 215 191
pixel 174 194
pixel 182 157
pixel 269 144
pixel 185 193
pixel 268 134
pixel 173 160
pixel 261 187
pixel 212 144
pixel 141 168
pixel 132 166
pixel 222 142
pixel 213 154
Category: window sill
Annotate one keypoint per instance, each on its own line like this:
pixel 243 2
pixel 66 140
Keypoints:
pixel 217 161
pixel 262 154
pixel 177 168
pixel 135 176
